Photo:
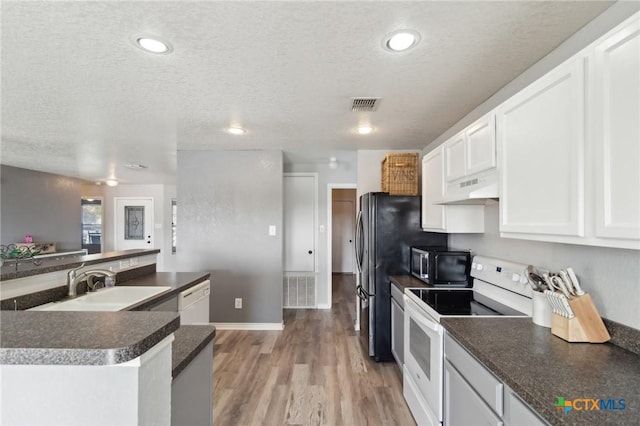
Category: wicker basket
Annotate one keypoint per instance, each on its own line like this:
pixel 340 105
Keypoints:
pixel 400 173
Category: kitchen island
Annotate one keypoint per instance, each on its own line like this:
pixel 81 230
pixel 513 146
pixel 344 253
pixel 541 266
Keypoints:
pixel 124 367
pixel 542 368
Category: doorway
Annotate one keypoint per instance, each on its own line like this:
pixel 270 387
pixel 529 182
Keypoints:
pixel 134 223
pixel 341 216
pixel 91 224
pixel 343 231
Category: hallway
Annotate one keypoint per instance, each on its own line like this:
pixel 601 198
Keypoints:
pixel 312 373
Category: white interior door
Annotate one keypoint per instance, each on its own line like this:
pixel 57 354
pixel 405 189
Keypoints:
pixel 342 236
pixel 299 223
pixel 134 223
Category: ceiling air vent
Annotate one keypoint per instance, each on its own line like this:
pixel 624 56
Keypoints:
pixel 364 104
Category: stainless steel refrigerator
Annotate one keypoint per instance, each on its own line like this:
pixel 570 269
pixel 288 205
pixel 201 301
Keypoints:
pixel 387 227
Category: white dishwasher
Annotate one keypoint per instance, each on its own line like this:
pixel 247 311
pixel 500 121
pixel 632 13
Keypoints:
pixel 193 304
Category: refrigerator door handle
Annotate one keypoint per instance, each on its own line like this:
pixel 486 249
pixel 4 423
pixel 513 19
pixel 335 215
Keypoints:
pixel 358 247
pixel 365 293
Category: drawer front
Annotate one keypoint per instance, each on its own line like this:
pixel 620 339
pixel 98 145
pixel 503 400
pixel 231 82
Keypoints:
pixel 485 384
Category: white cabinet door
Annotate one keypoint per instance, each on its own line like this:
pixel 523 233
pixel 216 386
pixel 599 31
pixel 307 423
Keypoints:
pixel 481 145
pixel 441 218
pixel 541 139
pixel 517 413
pixel 454 157
pixel 462 405
pixel 616 109
pixel 432 190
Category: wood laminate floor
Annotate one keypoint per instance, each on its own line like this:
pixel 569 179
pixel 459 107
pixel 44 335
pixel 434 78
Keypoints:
pixel 312 373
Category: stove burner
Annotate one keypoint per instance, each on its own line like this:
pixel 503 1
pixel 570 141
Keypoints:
pixel 463 302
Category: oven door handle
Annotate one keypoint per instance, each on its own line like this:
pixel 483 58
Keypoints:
pixel 421 318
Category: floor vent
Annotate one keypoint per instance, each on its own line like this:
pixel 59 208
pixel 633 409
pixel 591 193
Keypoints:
pixel 364 104
pixel 299 291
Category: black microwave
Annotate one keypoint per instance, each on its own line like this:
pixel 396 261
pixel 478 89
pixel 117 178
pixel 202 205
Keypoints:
pixel 441 268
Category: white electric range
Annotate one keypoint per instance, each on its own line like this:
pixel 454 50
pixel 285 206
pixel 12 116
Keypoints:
pixel 500 289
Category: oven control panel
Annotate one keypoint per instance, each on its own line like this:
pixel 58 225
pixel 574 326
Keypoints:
pixel 508 275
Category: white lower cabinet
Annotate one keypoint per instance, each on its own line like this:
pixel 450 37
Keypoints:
pixel 462 405
pixel 517 412
pixel 473 396
pixel 397 326
pixel 445 218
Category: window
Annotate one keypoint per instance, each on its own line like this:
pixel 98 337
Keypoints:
pixel 174 211
pixel 91 224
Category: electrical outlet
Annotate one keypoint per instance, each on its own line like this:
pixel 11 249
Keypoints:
pixel 238 302
pixel 134 261
pixel 124 264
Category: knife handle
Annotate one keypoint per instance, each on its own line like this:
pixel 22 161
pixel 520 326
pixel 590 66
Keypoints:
pixel 575 282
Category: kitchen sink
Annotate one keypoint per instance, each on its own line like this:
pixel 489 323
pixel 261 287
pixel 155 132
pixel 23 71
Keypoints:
pixel 108 299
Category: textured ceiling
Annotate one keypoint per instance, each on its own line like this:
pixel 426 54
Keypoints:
pixel 79 99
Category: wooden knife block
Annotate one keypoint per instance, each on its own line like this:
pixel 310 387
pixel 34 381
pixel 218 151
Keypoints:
pixel 586 326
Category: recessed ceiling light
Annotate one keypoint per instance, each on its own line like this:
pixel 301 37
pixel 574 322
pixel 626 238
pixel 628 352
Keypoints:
pixel 401 40
pixel 152 44
pixel 365 130
pixel 236 130
pixel 111 182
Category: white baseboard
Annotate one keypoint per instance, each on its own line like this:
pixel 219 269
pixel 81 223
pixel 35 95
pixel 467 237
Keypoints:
pixel 249 325
pixel 324 306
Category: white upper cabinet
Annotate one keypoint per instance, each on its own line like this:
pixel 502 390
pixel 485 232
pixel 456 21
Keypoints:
pixel 471 151
pixel 445 218
pixel 481 145
pixel 454 154
pixel 616 130
pixel 569 148
pixel 541 140
pixel 432 190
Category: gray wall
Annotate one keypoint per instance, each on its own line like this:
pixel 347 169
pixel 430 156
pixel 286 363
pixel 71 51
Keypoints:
pixel 226 202
pixel 45 205
pixel 611 276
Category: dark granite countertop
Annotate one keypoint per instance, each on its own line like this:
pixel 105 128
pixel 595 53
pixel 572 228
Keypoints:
pixel 190 341
pixel 541 367
pixel 81 338
pixel 7 272
pixel 407 281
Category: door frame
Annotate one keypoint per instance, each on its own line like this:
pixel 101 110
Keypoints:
pixel 330 188
pixel 115 216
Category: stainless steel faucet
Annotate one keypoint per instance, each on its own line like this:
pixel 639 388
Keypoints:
pixel 73 277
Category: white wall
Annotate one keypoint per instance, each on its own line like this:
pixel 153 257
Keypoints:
pixel 344 174
pixel 162 217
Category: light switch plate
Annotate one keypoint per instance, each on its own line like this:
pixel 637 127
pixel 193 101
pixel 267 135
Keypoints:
pixel 272 230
